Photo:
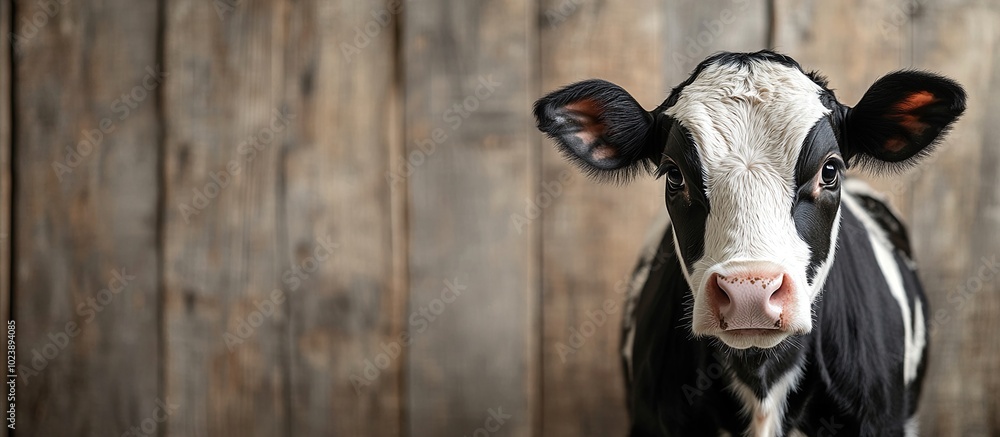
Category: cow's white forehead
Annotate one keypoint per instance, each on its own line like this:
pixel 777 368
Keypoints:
pixel 756 111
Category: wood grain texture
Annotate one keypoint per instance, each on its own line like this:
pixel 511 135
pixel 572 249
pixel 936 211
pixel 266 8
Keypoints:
pixel 85 245
pixel 694 30
pixel 470 174
pixel 956 215
pixel 226 334
pixel 345 318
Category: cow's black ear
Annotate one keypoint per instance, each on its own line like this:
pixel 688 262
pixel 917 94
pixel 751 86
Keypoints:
pixel 901 118
pixel 601 128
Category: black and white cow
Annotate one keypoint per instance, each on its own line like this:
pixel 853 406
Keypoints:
pixel 782 298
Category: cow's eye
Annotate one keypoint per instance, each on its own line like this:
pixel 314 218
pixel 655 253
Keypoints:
pixel 675 179
pixel 830 173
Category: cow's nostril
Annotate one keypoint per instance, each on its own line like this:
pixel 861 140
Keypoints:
pixel 780 294
pixel 718 295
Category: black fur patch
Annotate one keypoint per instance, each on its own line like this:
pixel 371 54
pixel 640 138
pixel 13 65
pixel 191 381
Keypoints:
pixel 688 209
pixel 814 215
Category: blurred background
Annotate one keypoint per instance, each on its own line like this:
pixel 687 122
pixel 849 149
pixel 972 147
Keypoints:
pixel 315 218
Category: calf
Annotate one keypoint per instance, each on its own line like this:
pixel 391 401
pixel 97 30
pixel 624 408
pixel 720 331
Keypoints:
pixel 783 299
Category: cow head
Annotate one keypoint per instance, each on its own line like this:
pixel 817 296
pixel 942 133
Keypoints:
pixel 753 152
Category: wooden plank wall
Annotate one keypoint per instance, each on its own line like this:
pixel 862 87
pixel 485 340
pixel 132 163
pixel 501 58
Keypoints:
pixel 223 107
pixel 336 217
pixel 468 79
pixel 346 133
pixel 86 256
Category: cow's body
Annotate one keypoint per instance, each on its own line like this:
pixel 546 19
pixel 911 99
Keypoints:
pixel 781 300
pixel 838 382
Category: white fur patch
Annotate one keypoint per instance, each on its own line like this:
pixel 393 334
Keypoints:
pixel 766 415
pixel 912 427
pixel 919 338
pixel 748 125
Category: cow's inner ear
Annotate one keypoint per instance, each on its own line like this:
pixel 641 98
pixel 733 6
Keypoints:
pixel 601 128
pixel 901 117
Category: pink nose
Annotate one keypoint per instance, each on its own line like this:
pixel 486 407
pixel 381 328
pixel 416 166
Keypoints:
pixel 752 300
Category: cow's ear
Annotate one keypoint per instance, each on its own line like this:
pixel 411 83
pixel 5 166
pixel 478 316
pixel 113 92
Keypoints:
pixel 900 119
pixel 601 128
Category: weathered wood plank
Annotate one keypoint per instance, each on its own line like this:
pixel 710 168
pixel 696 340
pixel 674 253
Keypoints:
pixel 336 187
pixel 956 215
pixel 814 33
pixel 226 301
pixel 693 30
pixel 86 272
pixel 471 357
pixel 592 232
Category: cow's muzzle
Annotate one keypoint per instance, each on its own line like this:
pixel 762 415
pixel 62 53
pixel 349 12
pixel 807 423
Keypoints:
pixel 750 299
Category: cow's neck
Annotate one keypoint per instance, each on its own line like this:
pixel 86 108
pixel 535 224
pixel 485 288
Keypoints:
pixel 763 381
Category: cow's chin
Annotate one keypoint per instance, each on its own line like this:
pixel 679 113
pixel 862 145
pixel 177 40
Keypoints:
pixel 748 338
